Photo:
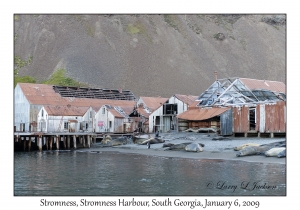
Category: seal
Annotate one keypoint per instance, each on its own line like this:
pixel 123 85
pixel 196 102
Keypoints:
pixel 258 150
pixel 282 154
pixel 238 148
pixel 115 142
pixel 106 139
pixel 168 145
pixel 153 141
pixel 178 146
pixel 274 151
pixel 193 147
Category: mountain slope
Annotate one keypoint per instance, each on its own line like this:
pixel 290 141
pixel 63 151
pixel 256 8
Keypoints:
pixel 152 55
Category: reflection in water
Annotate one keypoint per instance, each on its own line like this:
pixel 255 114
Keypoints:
pixel 107 173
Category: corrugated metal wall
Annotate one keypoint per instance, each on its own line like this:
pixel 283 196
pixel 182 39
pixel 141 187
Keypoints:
pixel 275 117
pixel 240 119
pixel 270 118
pixel 226 122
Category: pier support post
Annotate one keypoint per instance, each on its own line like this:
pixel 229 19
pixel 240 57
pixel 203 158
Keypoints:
pixel 74 141
pixel 258 135
pixel 89 141
pixel 65 146
pixel 47 142
pixel 68 142
pixel 51 141
pixel 29 144
pixel 40 143
pixel 272 135
pixel 246 135
pixel 24 144
pixel 57 142
pixel 83 140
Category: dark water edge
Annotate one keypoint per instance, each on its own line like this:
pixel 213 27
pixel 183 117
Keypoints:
pixel 78 173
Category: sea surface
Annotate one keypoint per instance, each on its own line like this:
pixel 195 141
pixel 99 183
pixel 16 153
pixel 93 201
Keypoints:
pixel 83 173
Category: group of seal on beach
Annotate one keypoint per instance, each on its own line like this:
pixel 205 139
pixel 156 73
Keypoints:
pixel 189 147
pixel 269 150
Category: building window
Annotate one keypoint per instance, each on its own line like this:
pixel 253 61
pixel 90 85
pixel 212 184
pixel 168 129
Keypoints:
pixel 42 113
pixel 66 125
pixel 110 124
pixel 103 110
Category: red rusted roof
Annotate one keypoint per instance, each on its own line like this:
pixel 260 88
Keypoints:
pixel 58 110
pixel 187 99
pixel 201 114
pixel 275 86
pixel 154 103
pixel 42 94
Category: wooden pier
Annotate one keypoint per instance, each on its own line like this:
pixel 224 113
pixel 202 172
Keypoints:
pixel 30 141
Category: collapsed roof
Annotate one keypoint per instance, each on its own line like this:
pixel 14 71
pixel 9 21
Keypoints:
pixel 241 91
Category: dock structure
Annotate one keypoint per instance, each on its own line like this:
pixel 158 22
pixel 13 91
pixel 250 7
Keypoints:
pixel 31 141
pixel 28 141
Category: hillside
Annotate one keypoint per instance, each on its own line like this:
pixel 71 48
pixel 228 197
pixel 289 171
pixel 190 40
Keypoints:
pixel 151 55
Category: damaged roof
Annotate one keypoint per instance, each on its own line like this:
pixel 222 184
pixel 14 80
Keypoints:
pixel 241 91
pixel 202 114
pixel 42 94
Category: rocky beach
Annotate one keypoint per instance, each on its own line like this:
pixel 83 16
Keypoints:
pixel 218 148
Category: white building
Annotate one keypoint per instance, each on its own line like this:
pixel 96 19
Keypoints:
pixel 55 118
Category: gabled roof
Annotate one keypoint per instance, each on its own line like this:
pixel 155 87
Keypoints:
pixel 53 110
pixel 153 103
pixel 187 99
pixel 201 114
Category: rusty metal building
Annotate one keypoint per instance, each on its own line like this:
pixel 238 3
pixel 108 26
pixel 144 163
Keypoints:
pixel 242 107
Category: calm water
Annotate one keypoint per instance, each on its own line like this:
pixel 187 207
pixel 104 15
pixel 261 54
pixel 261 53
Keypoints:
pixel 114 174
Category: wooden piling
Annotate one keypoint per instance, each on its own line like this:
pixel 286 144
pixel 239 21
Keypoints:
pixel 57 142
pixel 65 143
pixel 89 141
pixel 51 142
pixel 47 142
pixel 83 140
pixel 68 142
pixel 24 144
pixel 40 143
pixel 74 141
pixel 29 144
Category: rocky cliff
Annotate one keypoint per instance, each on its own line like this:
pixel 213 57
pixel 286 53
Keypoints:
pixel 152 55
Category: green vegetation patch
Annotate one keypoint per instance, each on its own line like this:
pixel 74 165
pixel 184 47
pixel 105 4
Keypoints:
pixel 25 79
pixel 171 20
pixel 133 29
pixel 16 17
pixel 19 63
pixel 59 78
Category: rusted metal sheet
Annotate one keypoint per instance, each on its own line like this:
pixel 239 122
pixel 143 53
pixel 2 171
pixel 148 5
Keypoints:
pixel 201 114
pixel 264 84
pixel 275 117
pixel 226 123
pixel 240 119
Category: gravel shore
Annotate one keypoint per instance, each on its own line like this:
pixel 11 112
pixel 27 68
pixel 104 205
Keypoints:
pixel 214 149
